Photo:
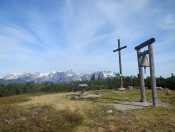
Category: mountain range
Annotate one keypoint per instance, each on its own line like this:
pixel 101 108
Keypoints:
pixel 55 77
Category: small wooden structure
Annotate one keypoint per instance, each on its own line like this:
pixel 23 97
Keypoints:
pixel 82 87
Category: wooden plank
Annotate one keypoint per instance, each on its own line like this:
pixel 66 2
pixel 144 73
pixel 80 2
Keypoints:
pixel 143 53
pixel 148 42
pixel 120 48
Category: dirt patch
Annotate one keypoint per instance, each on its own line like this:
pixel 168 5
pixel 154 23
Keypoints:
pixel 128 105
pixel 92 96
pixel 86 96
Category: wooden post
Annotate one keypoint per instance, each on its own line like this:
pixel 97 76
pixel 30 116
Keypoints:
pixel 120 65
pixel 141 79
pixel 152 75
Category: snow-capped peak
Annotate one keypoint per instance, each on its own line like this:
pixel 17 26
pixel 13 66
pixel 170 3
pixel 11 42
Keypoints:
pixel 12 75
pixel 53 76
pixel 70 73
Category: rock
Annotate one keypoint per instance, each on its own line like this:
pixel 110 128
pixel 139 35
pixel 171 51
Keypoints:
pixel 109 111
pixel 37 109
pixel 130 87
pixel 83 93
pixel 169 91
pixel 22 118
pixel 121 89
pixel 75 97
pixel 159 88
pixel 8 121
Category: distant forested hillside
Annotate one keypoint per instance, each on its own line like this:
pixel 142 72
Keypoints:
pixel 93 84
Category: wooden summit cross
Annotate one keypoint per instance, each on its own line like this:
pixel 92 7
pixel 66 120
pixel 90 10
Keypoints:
pixel 120 64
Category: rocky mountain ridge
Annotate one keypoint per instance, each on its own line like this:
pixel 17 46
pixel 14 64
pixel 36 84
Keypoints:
pixel 56 77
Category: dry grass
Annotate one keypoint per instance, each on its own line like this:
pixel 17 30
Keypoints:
pixel 38 118
pixel 59 101
pixel 13 99
pixel 156 119
pixel 95 116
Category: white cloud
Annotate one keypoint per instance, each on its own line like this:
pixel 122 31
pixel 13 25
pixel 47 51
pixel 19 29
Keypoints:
pixel 16 34
pixel 12 38
pixel 168 22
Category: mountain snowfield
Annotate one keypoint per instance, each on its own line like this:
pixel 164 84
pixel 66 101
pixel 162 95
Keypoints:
pixel 58 77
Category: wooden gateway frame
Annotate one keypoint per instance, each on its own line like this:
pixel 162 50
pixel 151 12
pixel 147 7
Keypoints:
pixel 148 43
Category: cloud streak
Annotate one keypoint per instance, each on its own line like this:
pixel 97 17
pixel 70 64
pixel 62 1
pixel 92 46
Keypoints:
pixel 59 35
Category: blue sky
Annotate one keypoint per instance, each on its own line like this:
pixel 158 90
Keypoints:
pixel 57 35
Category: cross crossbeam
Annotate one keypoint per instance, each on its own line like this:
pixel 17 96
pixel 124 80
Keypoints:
pixel 120 48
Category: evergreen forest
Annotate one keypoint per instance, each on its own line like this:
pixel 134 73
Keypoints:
pixel 93 84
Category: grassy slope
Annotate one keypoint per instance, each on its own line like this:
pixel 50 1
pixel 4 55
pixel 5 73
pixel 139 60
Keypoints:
pixel 56 112
pixel 147 119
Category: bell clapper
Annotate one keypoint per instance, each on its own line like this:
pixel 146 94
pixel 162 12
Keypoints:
pixel 144 70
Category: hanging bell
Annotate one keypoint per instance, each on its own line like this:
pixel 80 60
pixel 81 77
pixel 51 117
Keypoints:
pixel 144 62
